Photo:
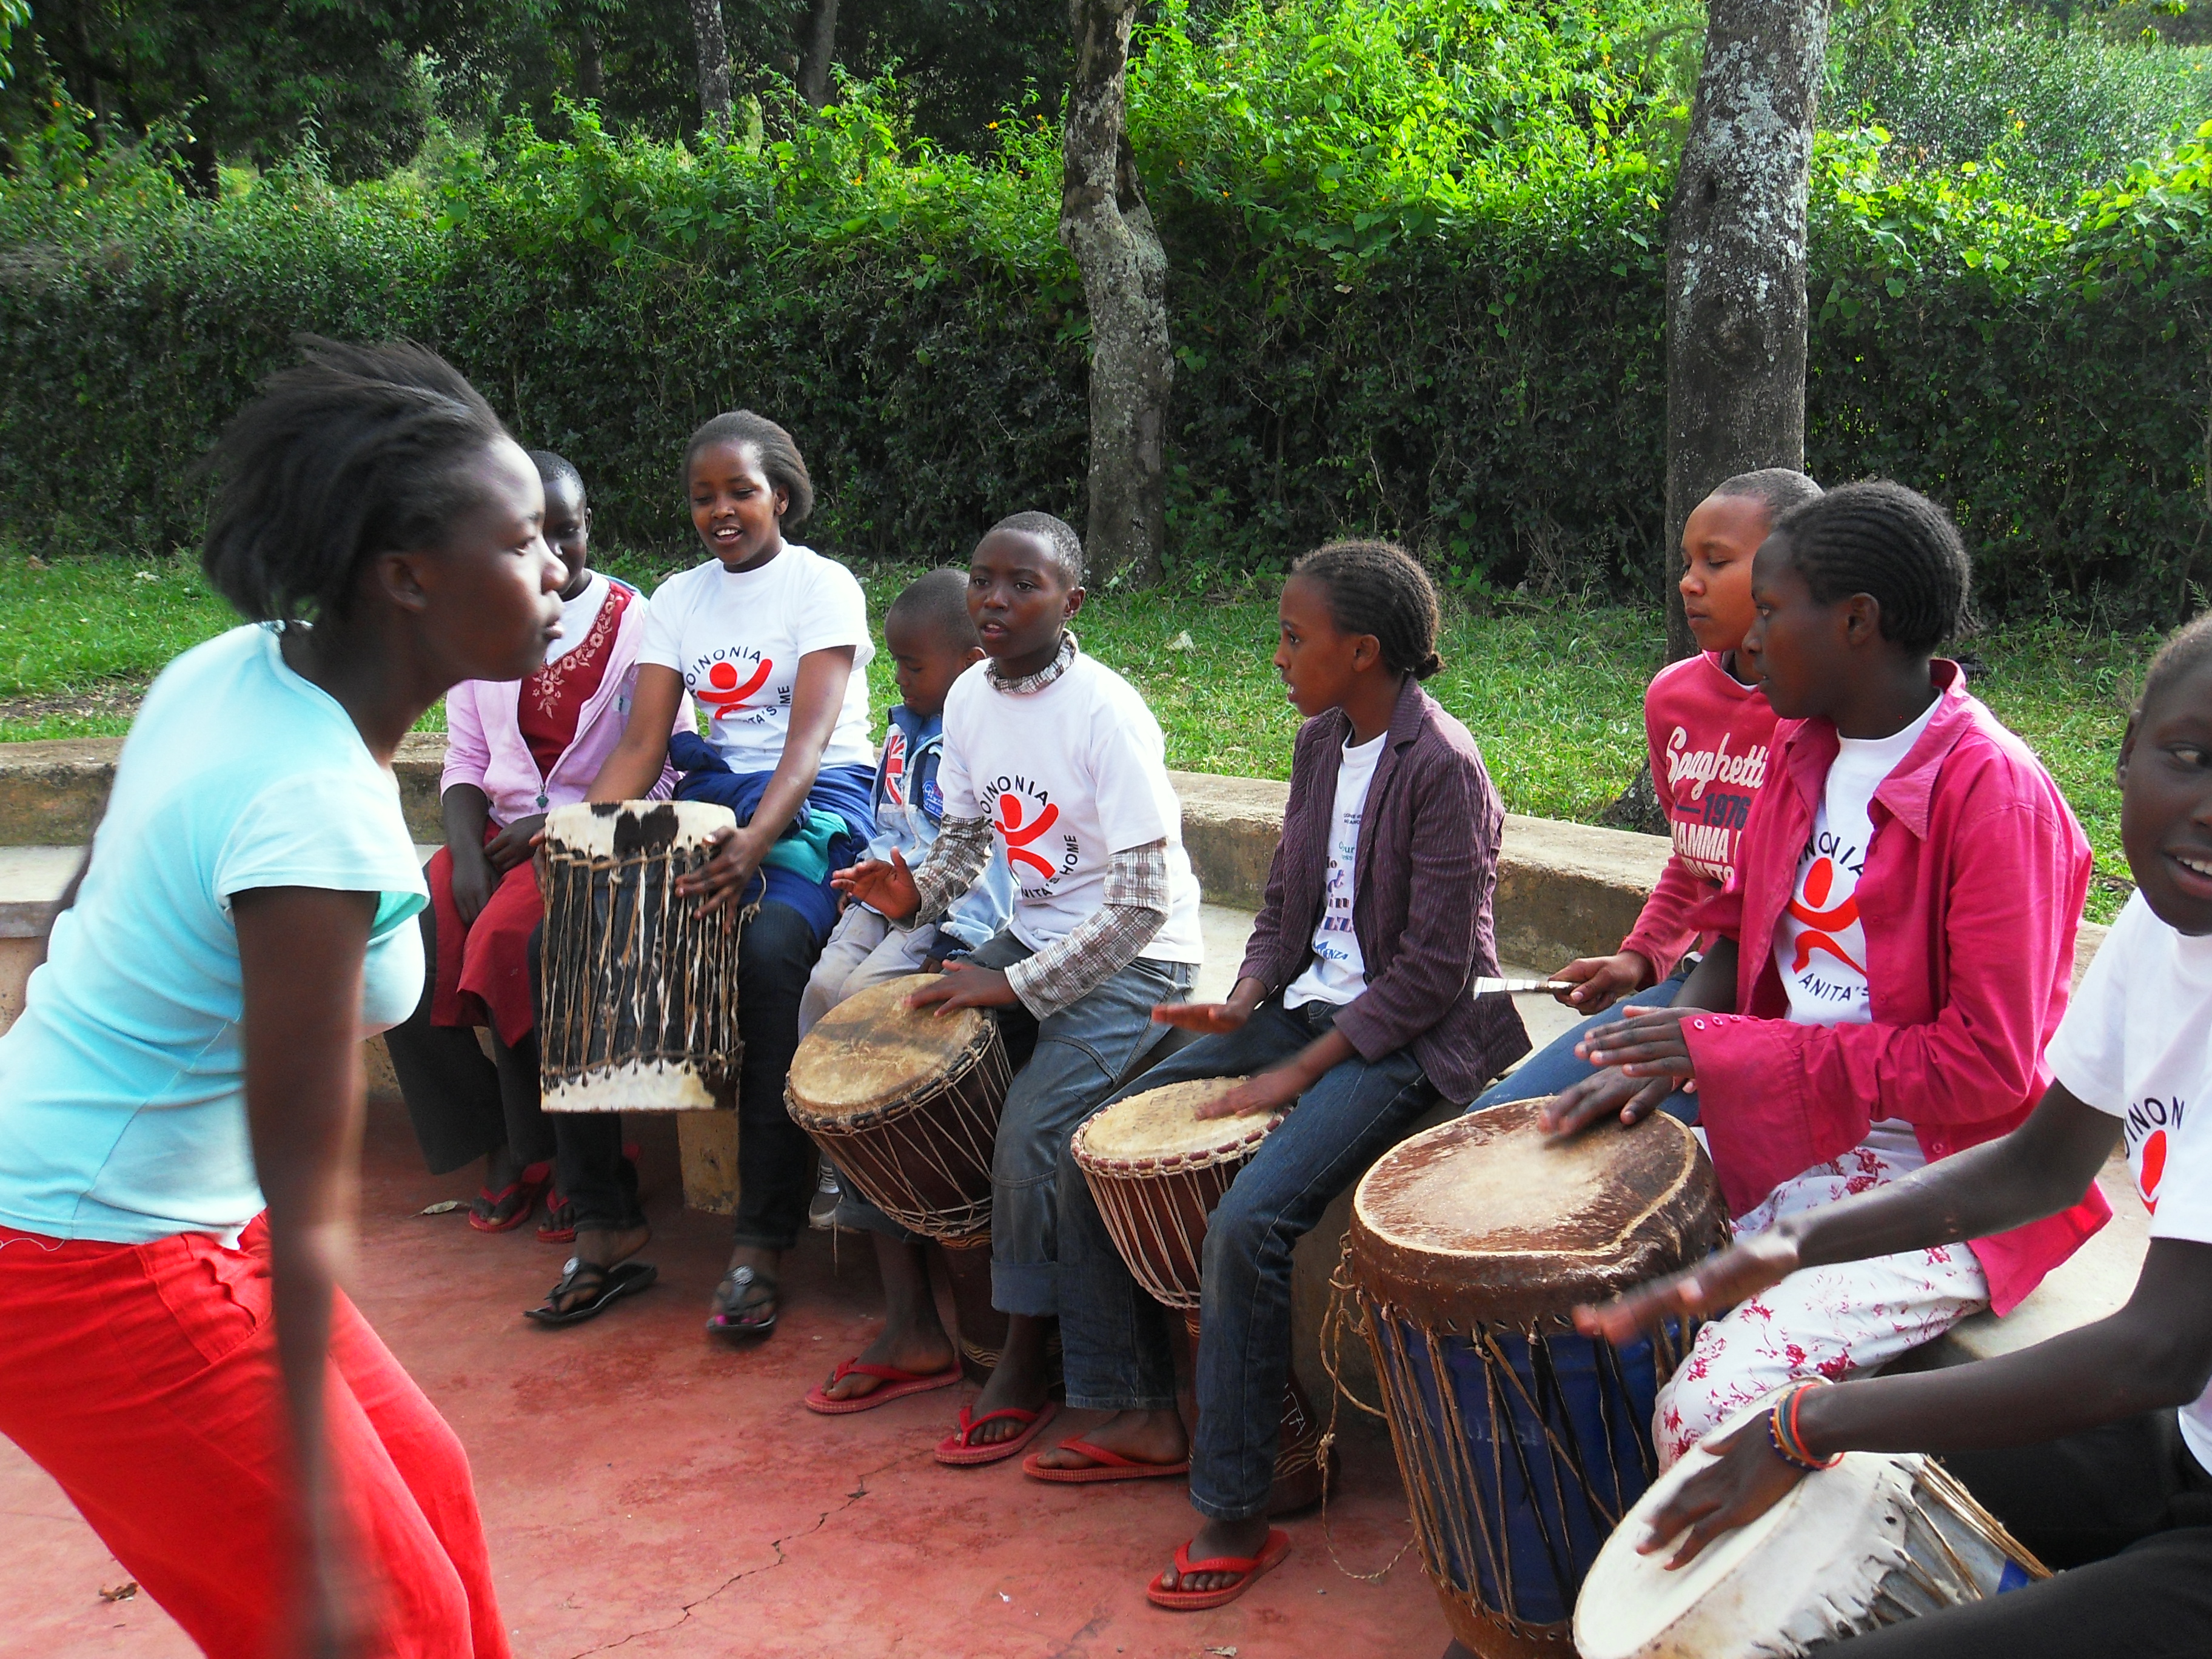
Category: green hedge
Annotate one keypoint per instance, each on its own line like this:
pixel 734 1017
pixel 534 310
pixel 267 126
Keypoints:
pixel 1407 311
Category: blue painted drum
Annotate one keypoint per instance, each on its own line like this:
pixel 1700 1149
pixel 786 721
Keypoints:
pixel 1522 1444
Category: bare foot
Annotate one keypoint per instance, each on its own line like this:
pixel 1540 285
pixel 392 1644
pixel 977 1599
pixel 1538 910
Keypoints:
pixel 1021 1380
pixel 922 1353
pixel 1241 1538
pixel 1142 1436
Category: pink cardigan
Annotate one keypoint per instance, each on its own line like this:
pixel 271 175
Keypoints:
pixel 484 745
pixel 1971 897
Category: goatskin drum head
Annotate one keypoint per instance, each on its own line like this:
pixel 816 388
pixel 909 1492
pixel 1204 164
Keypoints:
pixel 1487 1218
pixel 624 828
pixel 1161 1127
pixel 871 1050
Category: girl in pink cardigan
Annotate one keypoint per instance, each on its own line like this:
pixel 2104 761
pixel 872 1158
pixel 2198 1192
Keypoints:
pixel 1892 957
pixel 514 749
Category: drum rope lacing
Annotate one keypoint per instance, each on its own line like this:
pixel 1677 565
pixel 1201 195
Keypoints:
pixel 1343 1308
pixel 956 1152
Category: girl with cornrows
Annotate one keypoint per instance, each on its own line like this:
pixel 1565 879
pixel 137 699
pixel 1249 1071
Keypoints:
pixel 1889 964
pixel 180 1102
pixel 771 641
pixel 1351 1005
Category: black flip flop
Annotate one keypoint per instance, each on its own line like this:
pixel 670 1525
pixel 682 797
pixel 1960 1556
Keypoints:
pixel 740 1280
pixel 621 1279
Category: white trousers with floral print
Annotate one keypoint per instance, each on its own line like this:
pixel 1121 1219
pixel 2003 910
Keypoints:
pixel 1822 1321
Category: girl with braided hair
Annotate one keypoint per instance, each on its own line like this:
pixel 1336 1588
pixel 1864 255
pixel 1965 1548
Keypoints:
pixel 1353 1005
pixel 1888 964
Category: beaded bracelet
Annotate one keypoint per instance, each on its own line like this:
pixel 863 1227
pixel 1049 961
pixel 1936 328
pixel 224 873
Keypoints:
pixel 1782 1435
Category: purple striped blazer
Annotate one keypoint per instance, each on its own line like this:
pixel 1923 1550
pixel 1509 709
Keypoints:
pixel 1423 880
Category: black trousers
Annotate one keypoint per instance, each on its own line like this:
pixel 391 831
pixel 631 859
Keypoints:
pixel 464 1105
pixel 775 1160
pixel 2126 1512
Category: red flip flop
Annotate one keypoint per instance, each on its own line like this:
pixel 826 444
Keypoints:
pixel 1249 1566
pixel 960 1450
pixel 489 1213
pixel 1105 1465
pixel 897 1385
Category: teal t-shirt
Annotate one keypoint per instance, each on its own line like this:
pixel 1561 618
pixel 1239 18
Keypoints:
pixel 123 1084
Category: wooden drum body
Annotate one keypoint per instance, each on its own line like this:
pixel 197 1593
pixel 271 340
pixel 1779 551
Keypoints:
pixel 906 1104
pixel 1873 1541
pixel 1522 1444
pixel 638 1007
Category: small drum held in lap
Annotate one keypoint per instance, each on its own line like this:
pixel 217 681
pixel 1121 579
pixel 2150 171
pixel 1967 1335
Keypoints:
pixel 638 1003
pixel 1521 1444
pixel 906 1104
pixel 1874 1540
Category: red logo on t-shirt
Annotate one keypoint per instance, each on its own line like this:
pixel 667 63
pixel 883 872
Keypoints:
pixel 1821 926
pixel 724 694
pixel 894 767
pixel 2154 1169
pixel 1018 835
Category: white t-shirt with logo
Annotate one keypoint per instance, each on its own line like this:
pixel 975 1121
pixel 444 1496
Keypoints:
pixel 2136 1042
pixel 737 636
pixel 1820 946
pixel 1338 972
pixel 1068 776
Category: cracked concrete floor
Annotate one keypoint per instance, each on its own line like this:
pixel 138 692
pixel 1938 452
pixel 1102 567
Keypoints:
pixel 650 1491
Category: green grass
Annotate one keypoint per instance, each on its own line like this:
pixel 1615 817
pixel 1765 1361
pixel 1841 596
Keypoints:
pixel 1553 692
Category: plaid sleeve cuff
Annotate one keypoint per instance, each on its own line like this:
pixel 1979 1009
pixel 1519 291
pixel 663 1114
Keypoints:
pixel 1104 942
pixel 962 848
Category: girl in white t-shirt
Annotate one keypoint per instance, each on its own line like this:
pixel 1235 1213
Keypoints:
pixel 2095 1448
pixel 771 641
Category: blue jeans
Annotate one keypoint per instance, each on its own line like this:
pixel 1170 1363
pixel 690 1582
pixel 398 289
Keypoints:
pixel 1555 1068
pixel 1114 1337
pixel 1083 1053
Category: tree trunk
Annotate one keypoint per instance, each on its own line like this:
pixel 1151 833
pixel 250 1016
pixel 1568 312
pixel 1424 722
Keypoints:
pixel 821 50
pixel 1735 261
pixel 714 64
pixel 591 67
pixel 1106 225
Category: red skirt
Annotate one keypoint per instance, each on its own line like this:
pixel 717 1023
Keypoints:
pixel 483 966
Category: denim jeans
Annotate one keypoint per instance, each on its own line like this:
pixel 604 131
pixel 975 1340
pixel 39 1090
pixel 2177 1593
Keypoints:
pixel 1554 1067
pixel 1081 1055
pixel 775 1160
pixel 1115 1338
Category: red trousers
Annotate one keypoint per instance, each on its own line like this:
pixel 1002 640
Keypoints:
pixel 483 976
pixel 144 1379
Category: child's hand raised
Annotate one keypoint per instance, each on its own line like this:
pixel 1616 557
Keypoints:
pixel 886 887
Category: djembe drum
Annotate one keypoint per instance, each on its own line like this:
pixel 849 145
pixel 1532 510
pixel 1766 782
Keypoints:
pixel 1157 1171
pixel 906 1104
pixel 638 1004
pixel 1522 1444
pixel 1874 1540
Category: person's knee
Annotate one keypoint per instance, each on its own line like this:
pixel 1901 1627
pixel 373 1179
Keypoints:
pixel 1244 1242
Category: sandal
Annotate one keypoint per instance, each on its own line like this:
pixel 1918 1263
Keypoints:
pixel 959 1447
pixel 1248 1567
pixel 509 1207
pixel 895 1384
pixel 1105 1466
pixel 597 1285
pixel 744 1288
pixel 559 1226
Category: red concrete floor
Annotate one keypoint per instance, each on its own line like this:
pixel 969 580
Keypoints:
pixel 650 1490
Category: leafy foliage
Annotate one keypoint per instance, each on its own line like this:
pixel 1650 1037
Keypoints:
pixel 1416 268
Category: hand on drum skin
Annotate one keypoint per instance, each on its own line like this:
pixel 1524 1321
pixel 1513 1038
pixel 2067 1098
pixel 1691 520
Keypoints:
pixel 1214 1018
pixel 964 986
pixel 512 844
pixel 887 888
pixel 1573 1110
pixel 1269 1091
pixel 1643 1043
pixel 729 870
pixel 1748 1480
pixel 1601 982
pixel 473 882
pixel 1720 1281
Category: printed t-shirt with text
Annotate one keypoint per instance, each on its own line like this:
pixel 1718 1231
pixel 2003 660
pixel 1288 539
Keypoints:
pixel 1820 945
pixel 737 636
pixel 1709 735
pixel 1068 776
pixel 1338 972
pixel 2136 1042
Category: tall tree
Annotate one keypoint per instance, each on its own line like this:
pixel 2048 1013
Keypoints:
pixel 713 56
pixel 1735 260
pixel 818 49
pixel 1108 227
